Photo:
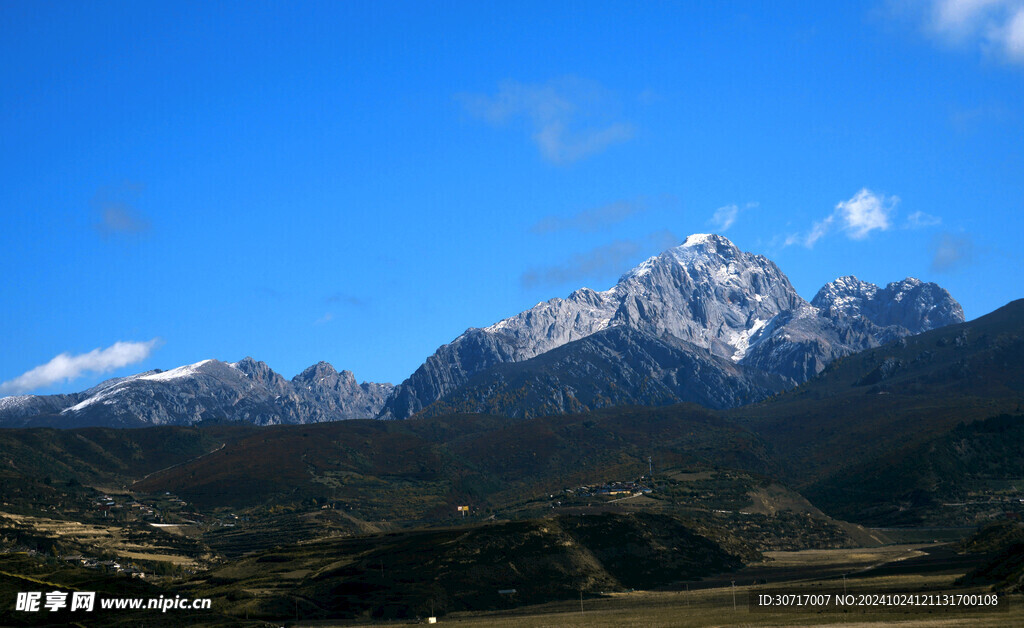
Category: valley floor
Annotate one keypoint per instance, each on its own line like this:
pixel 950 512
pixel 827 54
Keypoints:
pixel 920 569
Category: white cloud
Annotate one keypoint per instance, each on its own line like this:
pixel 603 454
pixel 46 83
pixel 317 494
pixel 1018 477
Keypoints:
pixel 857 217
pixel 866 212
pixel 995 26
pixel 66 367
pixel 568 118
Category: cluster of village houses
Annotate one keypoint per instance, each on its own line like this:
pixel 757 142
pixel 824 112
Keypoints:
pixel 611 488
pixel 155 515
pixel 110 565
pixel 106 503
pixel 83 561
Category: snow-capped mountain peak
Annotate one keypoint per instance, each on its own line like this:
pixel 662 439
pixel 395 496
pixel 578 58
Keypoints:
pixel 188 370
pixel 705 292
pixel 696 239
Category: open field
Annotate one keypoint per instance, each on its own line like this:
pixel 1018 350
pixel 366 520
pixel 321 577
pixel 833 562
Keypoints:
pixel 714 608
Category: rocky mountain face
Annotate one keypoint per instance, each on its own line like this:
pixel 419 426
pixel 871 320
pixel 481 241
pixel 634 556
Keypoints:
pixel 247 390
pixel 708 294
pixel 613 367
pixel 338 394
pixel 24 406
pixel 910 304
pixel 846 316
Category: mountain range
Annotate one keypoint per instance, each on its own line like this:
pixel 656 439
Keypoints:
pixel 743 327
pixel 703 322
pixel 247 390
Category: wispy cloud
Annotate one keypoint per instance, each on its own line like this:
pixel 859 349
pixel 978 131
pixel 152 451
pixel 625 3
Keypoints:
pixel 951 251
pixel 589 220
pixel 266 292
pixel 326 318
pixel 649 97
pixel 994 26
pixel 967 120
pixel 921 220
pixel 66 367
pixel 725 216
pixel 568 119
pixel 115 219
pixel 344 298
pixel 856 217
pixel 609 259
pixel 116 212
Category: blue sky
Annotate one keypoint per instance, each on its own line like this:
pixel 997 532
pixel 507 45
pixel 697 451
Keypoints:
pixel 360 182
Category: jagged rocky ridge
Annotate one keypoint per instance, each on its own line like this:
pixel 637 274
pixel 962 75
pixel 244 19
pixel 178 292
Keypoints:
pixel 247 390
pixel 705 293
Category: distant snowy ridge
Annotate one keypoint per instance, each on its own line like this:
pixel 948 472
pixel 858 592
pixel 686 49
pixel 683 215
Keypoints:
pixel 247 390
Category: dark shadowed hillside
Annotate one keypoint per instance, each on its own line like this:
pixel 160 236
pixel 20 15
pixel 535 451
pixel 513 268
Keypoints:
pixel 615 367
pixel 103 454
pixel 419 468
pixel 895 397
pixel 417 572
pixel 973 472
pixel 1003 542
